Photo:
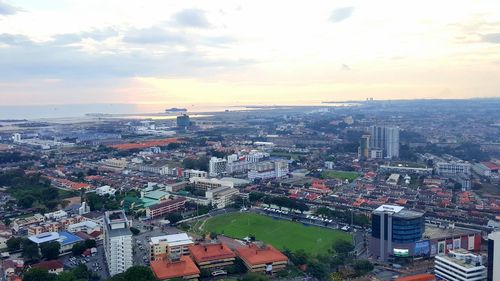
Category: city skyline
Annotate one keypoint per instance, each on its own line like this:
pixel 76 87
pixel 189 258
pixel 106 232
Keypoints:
pixel 239 53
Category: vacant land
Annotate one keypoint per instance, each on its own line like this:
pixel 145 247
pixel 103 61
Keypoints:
pixel 279 233
pixel 342 175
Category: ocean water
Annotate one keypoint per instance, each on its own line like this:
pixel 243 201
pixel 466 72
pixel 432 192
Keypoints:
pixel 32 112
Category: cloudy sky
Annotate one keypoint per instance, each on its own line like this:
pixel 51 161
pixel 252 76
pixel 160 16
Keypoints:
pixel 246 52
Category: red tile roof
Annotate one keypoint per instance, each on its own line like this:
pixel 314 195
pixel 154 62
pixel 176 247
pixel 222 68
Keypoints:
pixel 255 255
pixel 49 265
pixel 164 269
pixel 210 252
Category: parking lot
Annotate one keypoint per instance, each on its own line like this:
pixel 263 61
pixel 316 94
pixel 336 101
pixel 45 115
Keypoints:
pixel 94 263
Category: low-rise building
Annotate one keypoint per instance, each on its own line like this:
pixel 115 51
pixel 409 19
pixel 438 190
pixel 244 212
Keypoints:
pixel 182 267
pixel 460 265
pixel 222 196
pixel 212 256
pixel 205 184
pixel 169 245
pixel 165 207
pixel 52 266
pixel 265 259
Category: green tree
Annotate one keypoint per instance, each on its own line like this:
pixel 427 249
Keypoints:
pixel 173 218
pixel 253 276
pixel 362 267
pixel 30 250
pixel 26 201
pixel 317 269
pixel 78 248
pixel 50 250
pixel 14 243
pixel 38 274
pixel 90 243
pixel 139 273
pixel 81 272
pixel 135 231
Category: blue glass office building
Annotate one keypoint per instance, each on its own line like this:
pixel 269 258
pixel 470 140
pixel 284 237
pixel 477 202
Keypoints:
pixel 395 231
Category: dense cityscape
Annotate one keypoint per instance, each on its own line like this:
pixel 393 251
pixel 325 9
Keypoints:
pixel 370 190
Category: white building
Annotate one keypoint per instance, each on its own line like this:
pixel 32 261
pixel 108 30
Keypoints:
pixel 84 208
pixel 221 197
pixel 385 138
pixel 84 226
pixel 205 183
pixel 460 265
pixel 57 215
pixel 117 242
pixel 105 190
pixel 169 245
pixel 217 166
pixel 452 168
pixel 494 256
pixel 194 173
pixel 269 170
pixel 16 137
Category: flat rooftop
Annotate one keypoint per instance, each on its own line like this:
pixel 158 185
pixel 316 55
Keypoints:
pixel 434 232
pixel 398 211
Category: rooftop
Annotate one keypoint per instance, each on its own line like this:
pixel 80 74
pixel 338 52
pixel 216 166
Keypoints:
pixel 254 254
pixel 180 238
pixel 167 203
pixel 434 232
pixel 164 269
pixel 49 265
pixel 210 252
pixel 398 211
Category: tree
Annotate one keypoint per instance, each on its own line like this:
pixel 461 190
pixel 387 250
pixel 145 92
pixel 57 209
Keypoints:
pixel 78 248
pixel 135 231
pixel 173 218
pixel 213 235
pixel 26 201
pixel 362 267
pixel 139 273
pixel 38 274
pixel 30 250
pixel 317 269
pixel 343 247
pixel 253 276
pixel 66 276
pixel 81 272
pixel 50 250
pixel 14 243
pixel 90 243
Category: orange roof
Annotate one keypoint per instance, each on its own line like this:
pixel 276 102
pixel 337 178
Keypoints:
pixel 49 265
pixel 164 269
pixel 144 144
pixel 254 255
pixel 418 277
pixel 210 252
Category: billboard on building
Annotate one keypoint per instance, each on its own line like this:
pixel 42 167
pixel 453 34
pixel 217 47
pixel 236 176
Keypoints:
pixel 441 247
pixel 433 249
pixel 401 252
pixel 422 248
pixel 456 243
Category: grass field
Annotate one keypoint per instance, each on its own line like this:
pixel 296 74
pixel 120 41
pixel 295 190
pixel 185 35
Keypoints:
pixel 279 233
pixel 343 175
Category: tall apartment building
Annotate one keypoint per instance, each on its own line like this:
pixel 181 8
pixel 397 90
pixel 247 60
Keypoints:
pixel 386 138
pixel 494 256
pixel 364 147
pixel 460 265
pixel 117 242
pixel 216 166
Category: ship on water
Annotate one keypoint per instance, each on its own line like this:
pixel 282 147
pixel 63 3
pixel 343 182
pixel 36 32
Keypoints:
pixel 175 109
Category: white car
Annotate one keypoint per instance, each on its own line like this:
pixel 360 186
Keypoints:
pixel 218 272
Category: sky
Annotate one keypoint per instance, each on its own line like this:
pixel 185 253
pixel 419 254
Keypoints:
pixel 246 52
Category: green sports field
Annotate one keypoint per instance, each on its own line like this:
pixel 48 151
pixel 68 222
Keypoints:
pixel 279 233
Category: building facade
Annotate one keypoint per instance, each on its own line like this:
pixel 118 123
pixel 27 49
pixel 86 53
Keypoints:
pixel 117 242
pixel 494 256
pixel 459 265
pixel 385 138
pixel 394 231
